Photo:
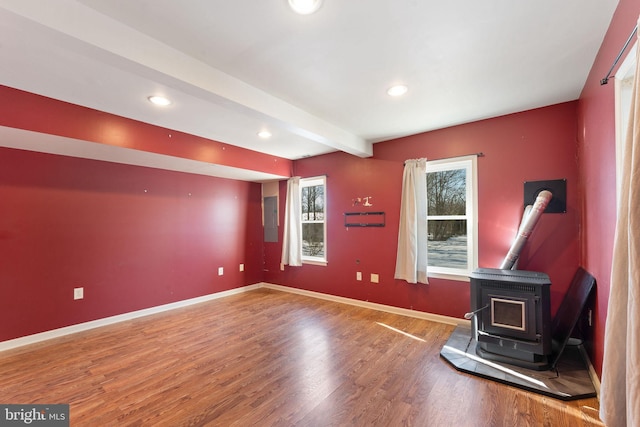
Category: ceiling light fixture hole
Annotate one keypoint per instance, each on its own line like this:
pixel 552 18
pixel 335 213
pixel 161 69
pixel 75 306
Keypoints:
pixel 397 90
pixel 159 100
pixel 305 7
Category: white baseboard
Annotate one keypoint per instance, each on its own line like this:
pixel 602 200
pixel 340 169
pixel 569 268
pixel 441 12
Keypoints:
pixel 371 305
pixel 68 330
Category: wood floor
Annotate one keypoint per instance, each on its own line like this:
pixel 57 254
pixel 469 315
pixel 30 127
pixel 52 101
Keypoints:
pixel 270 358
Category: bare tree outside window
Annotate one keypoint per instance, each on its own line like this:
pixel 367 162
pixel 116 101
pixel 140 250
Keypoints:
pixel 447 223
pixel 313 221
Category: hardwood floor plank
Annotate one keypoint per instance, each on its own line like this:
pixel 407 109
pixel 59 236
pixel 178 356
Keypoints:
pixel 270 358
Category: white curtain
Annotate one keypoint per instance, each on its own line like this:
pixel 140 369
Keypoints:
pixel 620 384
pixel 292 239
pixel 411 258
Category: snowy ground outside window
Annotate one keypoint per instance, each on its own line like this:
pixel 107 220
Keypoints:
pixel 451 253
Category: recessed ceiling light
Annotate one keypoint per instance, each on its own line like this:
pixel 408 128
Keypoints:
pixel 159 100
pixel 305 7
pixel 264 134
pixel 397 90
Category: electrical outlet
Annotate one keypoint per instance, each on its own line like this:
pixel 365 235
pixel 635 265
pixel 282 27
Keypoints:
pixel 78 293
pixel 375 278
pixel 359 275
pixel 241 267
pixel 220 271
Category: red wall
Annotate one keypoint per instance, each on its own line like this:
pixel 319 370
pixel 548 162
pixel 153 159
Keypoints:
pixel 533 145
pixel 133 237
pixel 596 136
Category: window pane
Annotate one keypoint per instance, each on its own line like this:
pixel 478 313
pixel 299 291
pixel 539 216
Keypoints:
pixel 447 243
pixel 313 239
pixel 313 203
pixel 446 192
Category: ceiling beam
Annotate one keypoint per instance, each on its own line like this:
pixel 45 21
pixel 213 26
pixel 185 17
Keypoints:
pixel 132 51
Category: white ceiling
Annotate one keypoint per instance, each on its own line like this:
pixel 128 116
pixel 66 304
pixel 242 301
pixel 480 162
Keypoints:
pixel 317 83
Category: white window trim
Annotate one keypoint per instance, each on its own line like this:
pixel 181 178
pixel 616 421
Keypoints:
pixel 623 87
pixel 471 164
pixel 310 182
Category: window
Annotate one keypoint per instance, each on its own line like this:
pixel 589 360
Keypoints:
pixel 314 230
pixel 624 84
pixel 452 217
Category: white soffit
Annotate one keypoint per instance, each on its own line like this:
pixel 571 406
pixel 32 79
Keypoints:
pixel 52 144
pixel 91 36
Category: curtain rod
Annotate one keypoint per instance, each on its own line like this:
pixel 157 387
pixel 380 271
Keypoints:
pixel 478 154
pixel 606 79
